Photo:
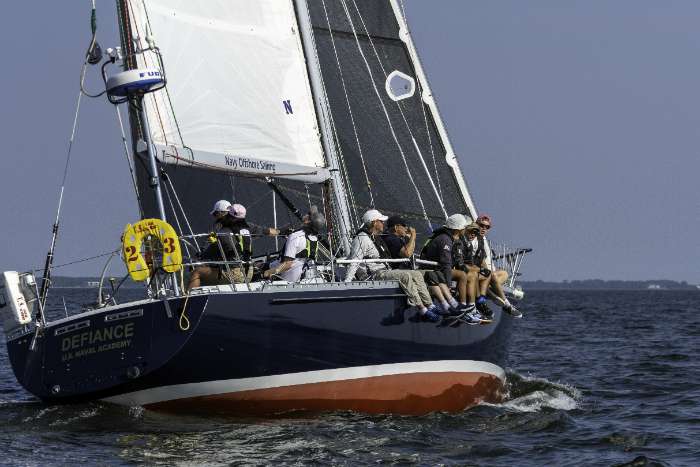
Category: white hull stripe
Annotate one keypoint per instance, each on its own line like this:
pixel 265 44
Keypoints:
pixel 208 388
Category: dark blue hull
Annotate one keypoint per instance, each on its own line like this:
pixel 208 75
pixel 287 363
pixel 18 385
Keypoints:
pixel 252 344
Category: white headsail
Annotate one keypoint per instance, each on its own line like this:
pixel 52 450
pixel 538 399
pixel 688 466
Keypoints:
pixel 238 96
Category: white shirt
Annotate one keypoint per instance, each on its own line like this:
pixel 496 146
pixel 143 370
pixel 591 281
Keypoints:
pixel 296 243
pixel 475 245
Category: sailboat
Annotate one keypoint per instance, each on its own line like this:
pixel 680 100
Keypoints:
pixel 278 105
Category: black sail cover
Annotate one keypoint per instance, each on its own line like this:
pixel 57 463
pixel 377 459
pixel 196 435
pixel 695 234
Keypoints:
pixel 344 71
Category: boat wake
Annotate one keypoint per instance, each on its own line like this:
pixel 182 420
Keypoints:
pixel 532 394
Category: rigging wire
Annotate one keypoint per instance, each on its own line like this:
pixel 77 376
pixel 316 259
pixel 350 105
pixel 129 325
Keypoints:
pixel 128 161
pixel 347 100
pixel 351 213
pixel 169 182
pixel 386 112
pixel 140 38
pixel 177 221
pixel 54 235
pixel 93 55
pixel 83 260
pixel 167 95
pixel 401 111
pixel 425 114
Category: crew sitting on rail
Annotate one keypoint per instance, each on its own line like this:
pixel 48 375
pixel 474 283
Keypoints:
pixel 300 247
pixel 401 241
pixel 368 244
pixel 469 255
pixel 499 276
pixel 439 249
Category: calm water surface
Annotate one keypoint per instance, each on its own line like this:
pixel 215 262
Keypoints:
pixel 596 378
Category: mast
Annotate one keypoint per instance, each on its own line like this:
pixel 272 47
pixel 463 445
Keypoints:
pixel 154 177
pixel 323 111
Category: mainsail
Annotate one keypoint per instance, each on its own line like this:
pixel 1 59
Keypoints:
pixel 395 153
pixel 238 106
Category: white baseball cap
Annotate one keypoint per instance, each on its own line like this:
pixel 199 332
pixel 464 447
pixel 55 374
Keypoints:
pixel 456 222
pixel 222 206
pixel 237 211
pixel 373 215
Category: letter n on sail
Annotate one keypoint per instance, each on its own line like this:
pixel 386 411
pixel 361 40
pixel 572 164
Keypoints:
pixel 288 106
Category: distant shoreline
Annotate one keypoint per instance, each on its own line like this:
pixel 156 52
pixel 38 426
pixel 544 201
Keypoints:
pixel 599 284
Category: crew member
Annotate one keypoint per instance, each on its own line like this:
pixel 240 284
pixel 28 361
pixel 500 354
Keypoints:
pixel 439 249
pixel 301 246
pixel 368 244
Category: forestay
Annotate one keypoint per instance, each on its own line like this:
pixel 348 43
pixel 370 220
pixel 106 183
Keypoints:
pixel 238 97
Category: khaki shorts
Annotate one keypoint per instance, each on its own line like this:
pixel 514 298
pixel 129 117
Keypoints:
pixel 236 275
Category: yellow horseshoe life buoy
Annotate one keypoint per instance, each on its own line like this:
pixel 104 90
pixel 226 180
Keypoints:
pixel 131 247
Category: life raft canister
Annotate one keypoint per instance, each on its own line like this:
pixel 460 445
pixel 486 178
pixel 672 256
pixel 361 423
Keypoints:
pixel 12 295
pixel 133 238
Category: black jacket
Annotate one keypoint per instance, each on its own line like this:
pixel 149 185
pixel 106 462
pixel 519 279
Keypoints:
pixel 463 254
pixel 439 249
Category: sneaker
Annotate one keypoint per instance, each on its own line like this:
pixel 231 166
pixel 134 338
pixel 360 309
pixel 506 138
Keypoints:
pixel 480 301
pixel 485 310
pixel 472 317
pixel 511 310
pixel 438 310
pixel 430 316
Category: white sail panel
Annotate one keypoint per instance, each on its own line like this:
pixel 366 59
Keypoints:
pixel 239 94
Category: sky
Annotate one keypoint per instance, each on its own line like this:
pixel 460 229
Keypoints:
pixel 576 125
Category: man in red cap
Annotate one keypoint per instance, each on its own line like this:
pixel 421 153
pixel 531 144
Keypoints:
pixel 498 276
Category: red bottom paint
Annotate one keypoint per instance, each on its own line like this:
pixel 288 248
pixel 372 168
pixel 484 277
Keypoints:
pixel 409 394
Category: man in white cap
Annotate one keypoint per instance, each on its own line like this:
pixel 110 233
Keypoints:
pixel 439 249
pixel 368 244
pixel 221 209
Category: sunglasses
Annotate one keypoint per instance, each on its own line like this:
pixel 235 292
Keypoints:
pixel 484 226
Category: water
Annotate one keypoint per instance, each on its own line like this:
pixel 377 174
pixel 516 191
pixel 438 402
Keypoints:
pixel 596 378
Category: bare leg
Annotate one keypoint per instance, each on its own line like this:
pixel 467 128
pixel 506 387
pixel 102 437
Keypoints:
pixel 499 277
pixel 436 292
pixel 472 279
pixel 446 292
pixel 202 275
pixel 484 284
pixel 461 278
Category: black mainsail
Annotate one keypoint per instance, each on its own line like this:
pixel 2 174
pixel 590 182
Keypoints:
pixel 395 158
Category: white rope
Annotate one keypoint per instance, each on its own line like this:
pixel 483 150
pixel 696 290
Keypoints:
pixel 386 113
pixel 401 111
pixel 347 101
